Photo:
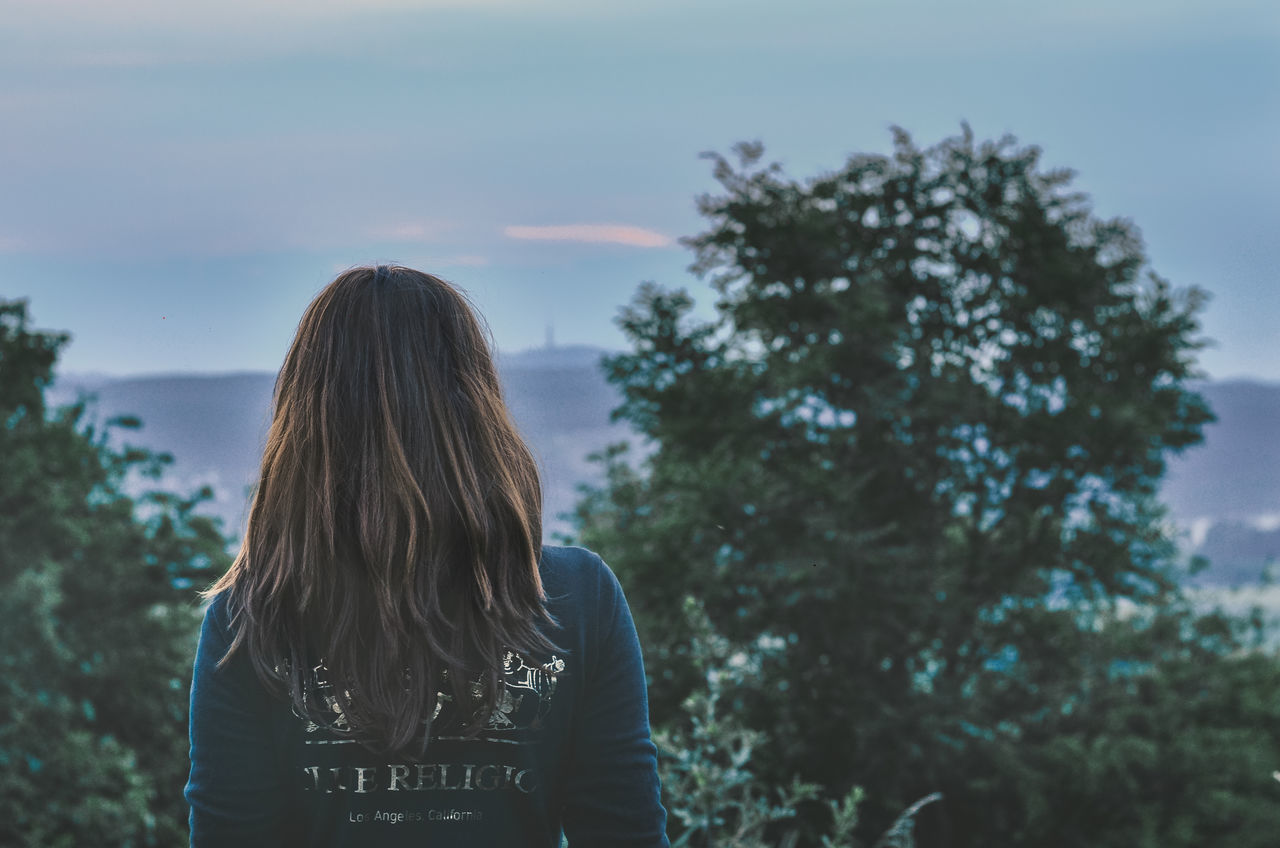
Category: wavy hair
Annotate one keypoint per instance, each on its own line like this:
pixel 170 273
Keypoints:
pixel 394 536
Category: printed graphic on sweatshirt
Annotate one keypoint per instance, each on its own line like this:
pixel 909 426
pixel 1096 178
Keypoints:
pixel 419 777
pixel 523 703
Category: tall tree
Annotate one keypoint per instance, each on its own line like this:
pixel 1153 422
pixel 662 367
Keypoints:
pixel 921 442
pixel 97 619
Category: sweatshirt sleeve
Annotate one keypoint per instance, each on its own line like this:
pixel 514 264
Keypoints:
pixel 234 790
pixel 613 793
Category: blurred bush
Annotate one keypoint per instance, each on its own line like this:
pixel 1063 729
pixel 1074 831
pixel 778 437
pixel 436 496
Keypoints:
pixel 97 619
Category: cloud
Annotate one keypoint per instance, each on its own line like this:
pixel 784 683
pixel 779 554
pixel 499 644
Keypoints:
pixel 119 59
pixel 469 260
pixel 196 9
pixel 592 233
pixel 407 231
pixel 196 15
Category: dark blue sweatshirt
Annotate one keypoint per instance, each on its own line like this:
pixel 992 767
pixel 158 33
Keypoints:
pixel 568 750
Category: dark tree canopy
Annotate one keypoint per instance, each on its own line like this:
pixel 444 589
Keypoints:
pixel 97 619
pixel 922 441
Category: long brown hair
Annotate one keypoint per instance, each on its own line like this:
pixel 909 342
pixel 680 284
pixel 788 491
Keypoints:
pixel 395 533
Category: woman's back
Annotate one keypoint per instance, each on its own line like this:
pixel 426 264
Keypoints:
pixel 569 745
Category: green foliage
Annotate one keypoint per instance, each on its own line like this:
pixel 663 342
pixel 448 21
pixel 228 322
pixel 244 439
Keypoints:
pixel 844 818
pixel 922 442
pixel 705 759
pixel 706 775
pixel 97 619
pixel 1160 733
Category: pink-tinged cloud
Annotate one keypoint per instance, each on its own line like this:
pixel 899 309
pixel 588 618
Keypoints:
pixel 469 260
pixel 595 233
pixel 411 231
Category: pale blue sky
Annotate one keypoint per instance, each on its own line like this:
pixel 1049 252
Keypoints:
pixel 181 178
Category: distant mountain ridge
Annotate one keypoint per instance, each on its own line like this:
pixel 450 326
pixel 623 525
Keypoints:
pixel 215 425
pixel 557 356
pixel 1225 492
pixel 1235 473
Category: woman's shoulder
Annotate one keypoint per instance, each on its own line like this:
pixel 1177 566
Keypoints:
pixel 219 623
pixel 569 558
pixel 578 580
pixel 573 570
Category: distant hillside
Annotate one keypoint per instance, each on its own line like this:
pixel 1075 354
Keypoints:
pixel 559 356
pixel 216 425
pixel 1238 553
pixel 1226 492
pixel 1235 474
